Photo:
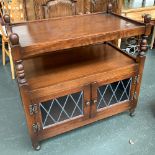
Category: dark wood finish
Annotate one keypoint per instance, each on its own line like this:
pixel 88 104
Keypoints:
pixel 68 32
pixel 52 62
pixel 62 128
pixel 73 64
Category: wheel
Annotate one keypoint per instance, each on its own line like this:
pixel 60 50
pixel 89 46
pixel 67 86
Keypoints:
pixel 132 113
pixel 36 147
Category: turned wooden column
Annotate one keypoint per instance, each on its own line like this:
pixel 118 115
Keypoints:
pixel 141 60
pixel 23 84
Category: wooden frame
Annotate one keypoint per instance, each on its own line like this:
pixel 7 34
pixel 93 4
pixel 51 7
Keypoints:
pixel 84 64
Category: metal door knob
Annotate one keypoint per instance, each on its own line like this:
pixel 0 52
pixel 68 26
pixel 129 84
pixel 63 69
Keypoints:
pixel 95 101
pixel 87 103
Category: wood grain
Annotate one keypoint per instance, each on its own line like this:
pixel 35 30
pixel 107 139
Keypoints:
pixel 61 56
pixel 73 64
pixel 67 32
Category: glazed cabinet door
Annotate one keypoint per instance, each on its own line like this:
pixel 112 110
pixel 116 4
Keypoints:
pixel 113 97
pixel 61 112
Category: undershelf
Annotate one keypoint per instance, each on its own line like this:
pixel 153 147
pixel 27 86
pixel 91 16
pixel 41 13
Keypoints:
pixel 68 65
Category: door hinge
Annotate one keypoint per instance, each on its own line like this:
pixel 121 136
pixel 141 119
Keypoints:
pixel 136 79
pixel 36 127
pixel 33 109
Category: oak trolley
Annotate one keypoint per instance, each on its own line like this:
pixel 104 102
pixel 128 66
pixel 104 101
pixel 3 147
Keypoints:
pixel 69 75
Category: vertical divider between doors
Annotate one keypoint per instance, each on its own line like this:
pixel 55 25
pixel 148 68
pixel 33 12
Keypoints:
pixel 87 101
pixel 93 111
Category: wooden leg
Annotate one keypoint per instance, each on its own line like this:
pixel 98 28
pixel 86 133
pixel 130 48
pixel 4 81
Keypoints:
pixel 3 52
pixel 153 37
pixel 36 146
pixel 132 112
pixel 11 65
pixel 30 119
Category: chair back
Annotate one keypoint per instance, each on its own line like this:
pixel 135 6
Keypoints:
pixel 59 8
pixel 101 5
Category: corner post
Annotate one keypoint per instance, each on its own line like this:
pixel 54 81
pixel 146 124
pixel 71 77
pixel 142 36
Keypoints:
pixel 24 89
pixel 16 52
pixel 141 61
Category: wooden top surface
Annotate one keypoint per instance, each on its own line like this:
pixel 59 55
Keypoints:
pixel 61 33
pixel 84 62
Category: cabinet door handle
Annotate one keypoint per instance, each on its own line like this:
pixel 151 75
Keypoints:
pixel 87 103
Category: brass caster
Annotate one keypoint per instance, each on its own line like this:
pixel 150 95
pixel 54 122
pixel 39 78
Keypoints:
pixel 36 147
pixel 132 113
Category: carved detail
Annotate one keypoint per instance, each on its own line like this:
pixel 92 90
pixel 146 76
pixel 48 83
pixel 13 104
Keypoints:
pixel 20 72
pixel 6 18
pixel 143 43
pixel 143 46
pixel 14 38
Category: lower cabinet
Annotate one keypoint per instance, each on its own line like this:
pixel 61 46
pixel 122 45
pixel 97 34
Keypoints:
pixel 84 105
pixel 107 95
pixel 66 108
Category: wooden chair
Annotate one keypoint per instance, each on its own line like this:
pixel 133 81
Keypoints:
pixel 100 5
pixel 6 50
pixel 59 8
